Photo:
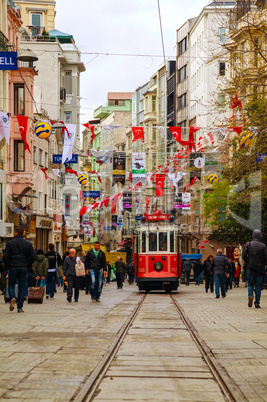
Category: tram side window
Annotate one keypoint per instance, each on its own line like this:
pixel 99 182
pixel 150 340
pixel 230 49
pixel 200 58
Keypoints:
pixel 153 246
pixel 143 242
pixel 171 242
pixel 162 241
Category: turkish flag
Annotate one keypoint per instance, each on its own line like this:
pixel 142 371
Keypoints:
pixel 138 134
pixel 92 128
pixel 83 210
pixel 23 123
pixel 44 170
pixel 160 179
pixel 114 203
pixel 236 129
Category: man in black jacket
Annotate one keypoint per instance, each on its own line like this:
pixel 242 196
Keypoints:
pixel 72 279
pixel 54 260
pixel 219 266
pixel 19 255
pixel 95 262
pixel 255 256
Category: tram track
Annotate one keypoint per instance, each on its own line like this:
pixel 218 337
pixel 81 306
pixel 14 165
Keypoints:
pixel 228 387
pixel 90 386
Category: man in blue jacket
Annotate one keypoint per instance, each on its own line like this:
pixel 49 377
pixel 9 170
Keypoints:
pixel 19 255
pixel 95 262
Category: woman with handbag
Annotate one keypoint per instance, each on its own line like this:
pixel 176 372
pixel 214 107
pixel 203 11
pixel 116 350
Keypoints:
pixel 73 271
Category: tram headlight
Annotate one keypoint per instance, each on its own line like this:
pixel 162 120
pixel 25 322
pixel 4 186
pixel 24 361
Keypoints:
pixel 158 266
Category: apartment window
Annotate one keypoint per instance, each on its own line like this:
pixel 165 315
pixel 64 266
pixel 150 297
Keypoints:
pixel 19 156
pixel 19 99
pixel 41 201
pixel 221 100
pixel 182 101
pixel 45 202
pixel 141 104
pixel 182 46
pixel 244 54
pixel 46 159
pixel 116 102
pixel 35 154
pixel 154 134
pixel 154 103
pixel 68 82
pixel 182 74
pixel 41 157
pixel 35 199
pixel 221 69
pixel 222 35
pixel 146 104
pixel 123 147
pixel 129 142
pixel 37 24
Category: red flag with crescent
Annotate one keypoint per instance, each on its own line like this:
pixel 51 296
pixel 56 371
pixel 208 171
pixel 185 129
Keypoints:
pixel 160 180
pixel 23 124
pixel 114 203
pixel 138 134
pixel 92 129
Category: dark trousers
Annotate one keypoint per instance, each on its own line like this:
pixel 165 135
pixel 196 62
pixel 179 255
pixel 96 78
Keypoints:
pixel 73 282
pixel 119 277
pixel 87 284
pixel 20 275
pixel 209 284
pixel 51 284
pixel 131 277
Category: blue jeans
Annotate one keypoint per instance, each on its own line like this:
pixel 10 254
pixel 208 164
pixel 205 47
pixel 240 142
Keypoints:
pixel 96 278
pixel 254 279
pixel 197 279
pixel 40 282
pixel 51 284
pixel 219 279
pixel 20 275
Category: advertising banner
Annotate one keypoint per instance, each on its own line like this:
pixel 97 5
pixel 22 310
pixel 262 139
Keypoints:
pixel 127 200
pixel 138 163
pixel 119 161
pixel 196 163
pixel 114 222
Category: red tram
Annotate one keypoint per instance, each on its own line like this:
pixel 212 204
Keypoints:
pixel 157 257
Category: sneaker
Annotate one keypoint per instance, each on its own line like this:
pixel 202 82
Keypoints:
pixel 52 298
pixel 97 300
pixel 69 299
pixel 223 296
pixel 47 296
pixel 250 301
pixel 20 310
pixel 217 297
pixel 76 300
pixel 12 304
pixel 257 306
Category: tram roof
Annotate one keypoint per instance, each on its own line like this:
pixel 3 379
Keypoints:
pixel 157 225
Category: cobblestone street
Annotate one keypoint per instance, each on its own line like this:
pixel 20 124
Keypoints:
pixel 48 352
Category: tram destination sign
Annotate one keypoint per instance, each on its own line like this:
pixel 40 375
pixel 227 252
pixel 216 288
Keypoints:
pixel 161 217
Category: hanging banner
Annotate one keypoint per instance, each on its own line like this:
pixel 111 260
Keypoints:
pixel 177 201
pixel 119 161
pixel 186 198
pixel 119 221
pixel 114 222
pixel 69 137
pixel 195 171
pixel 138 163
pixel 4 126
pixel 127 200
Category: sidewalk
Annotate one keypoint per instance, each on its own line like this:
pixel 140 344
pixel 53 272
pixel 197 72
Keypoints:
pixel 236 334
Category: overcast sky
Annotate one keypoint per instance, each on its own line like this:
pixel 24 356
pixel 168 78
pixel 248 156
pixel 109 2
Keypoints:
pixel 121 27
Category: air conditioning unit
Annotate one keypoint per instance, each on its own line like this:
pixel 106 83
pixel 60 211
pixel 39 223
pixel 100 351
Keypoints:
pixel 6 229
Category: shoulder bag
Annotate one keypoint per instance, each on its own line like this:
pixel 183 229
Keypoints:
pixel 79 267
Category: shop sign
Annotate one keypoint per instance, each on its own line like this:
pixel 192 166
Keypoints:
pixel 161 217
pixel 57 158
pixel 32 227
pixel 8 61
pixel 43 223
pixel 201 246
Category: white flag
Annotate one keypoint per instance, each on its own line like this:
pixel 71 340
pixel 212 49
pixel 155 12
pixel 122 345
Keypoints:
pixel 4 127
pixel 56 172
pixel 69 138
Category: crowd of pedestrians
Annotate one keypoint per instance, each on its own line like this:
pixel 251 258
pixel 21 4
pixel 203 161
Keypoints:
pixel 22 268
pixel 223 274
pixel 91 271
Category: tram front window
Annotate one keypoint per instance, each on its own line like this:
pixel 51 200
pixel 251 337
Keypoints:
pixel 162 241
pixel 153 246
pixel 143 242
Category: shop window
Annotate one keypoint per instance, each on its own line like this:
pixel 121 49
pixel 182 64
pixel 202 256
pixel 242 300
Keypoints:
pixel 221 69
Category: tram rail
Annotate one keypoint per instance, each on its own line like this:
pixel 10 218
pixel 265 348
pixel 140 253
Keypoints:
pixel 228 387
